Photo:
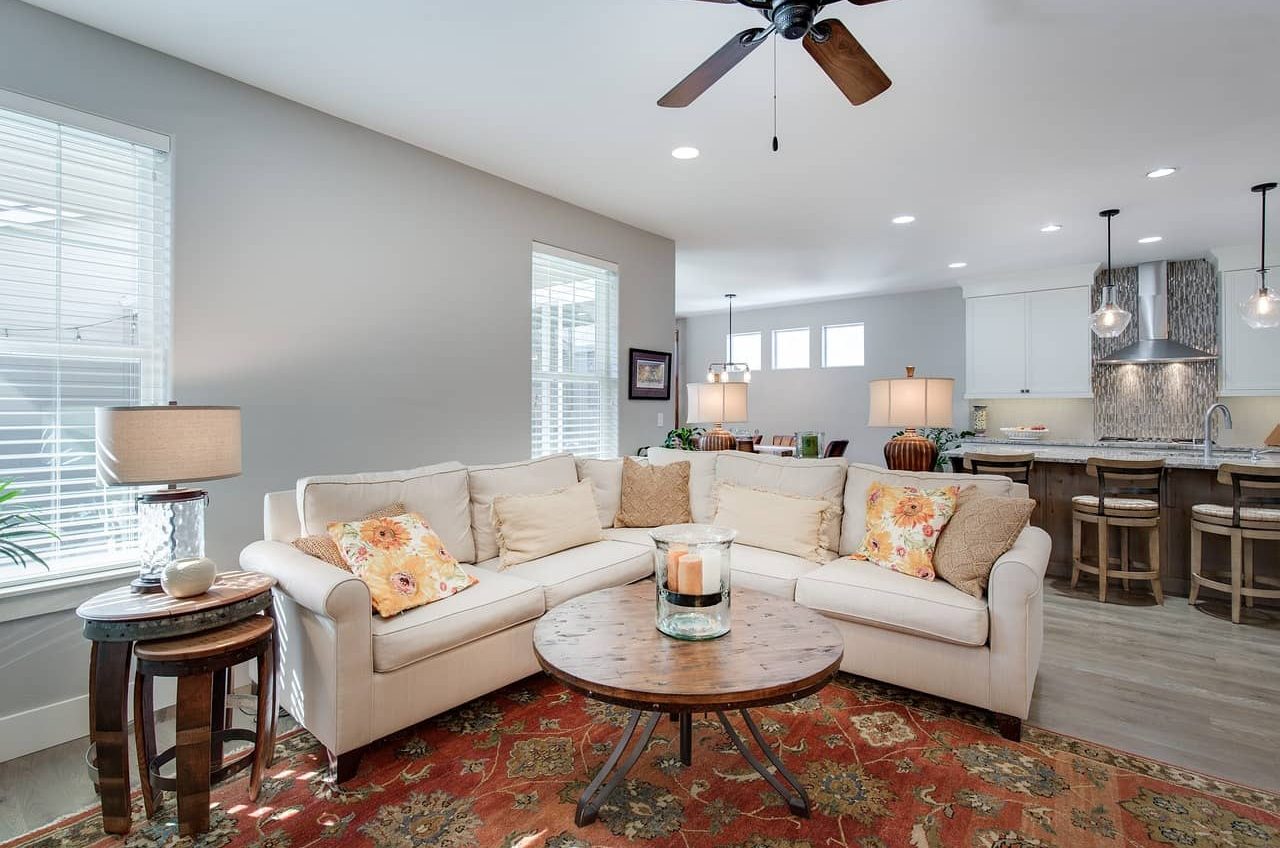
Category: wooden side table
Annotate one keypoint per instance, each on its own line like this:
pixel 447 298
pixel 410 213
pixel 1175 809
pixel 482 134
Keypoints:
pixel 113 622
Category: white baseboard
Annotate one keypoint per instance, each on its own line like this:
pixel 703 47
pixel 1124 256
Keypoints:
pixel 52 724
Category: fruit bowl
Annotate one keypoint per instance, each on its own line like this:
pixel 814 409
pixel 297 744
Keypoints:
pixel 1025 434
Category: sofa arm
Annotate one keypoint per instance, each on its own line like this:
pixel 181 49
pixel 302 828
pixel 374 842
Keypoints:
pixel 312 583
pixel 1015 602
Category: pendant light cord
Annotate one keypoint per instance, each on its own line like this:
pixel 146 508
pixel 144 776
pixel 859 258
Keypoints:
pixel 775 98
pixel 1111 281
pixel 1262 261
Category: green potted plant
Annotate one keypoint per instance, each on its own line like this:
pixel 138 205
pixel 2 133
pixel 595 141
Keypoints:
pixel 19 529
pixel 684 438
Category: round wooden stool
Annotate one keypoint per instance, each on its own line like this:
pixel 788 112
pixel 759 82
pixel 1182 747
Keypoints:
pixel 1130 492
pixel 197 661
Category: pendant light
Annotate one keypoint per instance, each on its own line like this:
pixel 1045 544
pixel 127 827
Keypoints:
pixel 1262 310
pixel 1109 320
pixel 729 372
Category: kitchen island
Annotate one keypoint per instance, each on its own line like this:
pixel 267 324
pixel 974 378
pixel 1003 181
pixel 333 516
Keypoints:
pixel 1059 474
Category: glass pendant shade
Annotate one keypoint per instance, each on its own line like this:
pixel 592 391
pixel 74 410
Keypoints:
pixel 1109 320
pixel 1262 310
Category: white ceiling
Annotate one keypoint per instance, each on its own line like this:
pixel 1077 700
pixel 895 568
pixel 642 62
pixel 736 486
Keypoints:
pixel 1004 115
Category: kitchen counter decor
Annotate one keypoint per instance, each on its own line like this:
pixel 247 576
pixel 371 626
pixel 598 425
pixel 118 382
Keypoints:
pixel 692 575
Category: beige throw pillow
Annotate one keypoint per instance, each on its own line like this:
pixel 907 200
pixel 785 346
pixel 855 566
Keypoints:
pixel 532 526
pixel 654 495
pixel 789 524
pixel 981 531
pixel 323 548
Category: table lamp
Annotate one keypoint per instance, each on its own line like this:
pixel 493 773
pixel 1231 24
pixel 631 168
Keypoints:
pixel 166 445
pixel 719 404
pixel 910 402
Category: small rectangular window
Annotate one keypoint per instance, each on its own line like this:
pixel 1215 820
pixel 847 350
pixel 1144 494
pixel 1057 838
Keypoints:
pixel 791 348
pixel 842 346
pixel 744 347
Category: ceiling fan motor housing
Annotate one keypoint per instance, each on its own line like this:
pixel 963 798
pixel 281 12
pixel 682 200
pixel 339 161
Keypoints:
pixel 794 18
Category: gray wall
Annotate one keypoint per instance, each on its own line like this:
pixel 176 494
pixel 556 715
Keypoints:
pixel 924 329
pixel 365 302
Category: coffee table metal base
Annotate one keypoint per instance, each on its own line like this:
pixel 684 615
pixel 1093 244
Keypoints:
pixel 612 774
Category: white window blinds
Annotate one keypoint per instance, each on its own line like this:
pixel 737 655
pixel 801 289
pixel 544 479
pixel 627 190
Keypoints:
pixel 84 321
pixel 575 354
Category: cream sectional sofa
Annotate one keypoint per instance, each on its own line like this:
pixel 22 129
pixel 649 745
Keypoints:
pixel 351 677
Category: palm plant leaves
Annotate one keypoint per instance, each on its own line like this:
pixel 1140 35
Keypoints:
pixel 18 529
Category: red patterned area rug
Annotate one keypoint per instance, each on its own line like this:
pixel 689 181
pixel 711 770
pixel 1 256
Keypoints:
pixel 884 768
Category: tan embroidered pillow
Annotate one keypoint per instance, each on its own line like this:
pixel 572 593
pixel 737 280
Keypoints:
pixel 981 531
pixel 325 549
pixel 789 524
pixel 532 526
pixel 654 495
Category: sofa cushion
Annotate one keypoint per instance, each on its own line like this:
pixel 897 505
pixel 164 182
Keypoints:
pixel 606 484
pixel 702 478
pixel 496 602
pixel 436 492
pixel 634 535
pixel 860 477
pixel 865 593
pixel 600 565
pixel 788 524
pixel 654 495
pixel 533 526
pixel 808 478
pixel 768 571
pixel 530 477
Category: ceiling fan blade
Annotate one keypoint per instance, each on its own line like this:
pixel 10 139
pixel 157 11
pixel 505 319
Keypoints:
pixel 850 67
pixel 709 72
pixel 854 2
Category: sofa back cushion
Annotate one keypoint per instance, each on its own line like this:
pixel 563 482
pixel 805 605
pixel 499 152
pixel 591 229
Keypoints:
pixel 702 478
pixel 530 477
pixel 436 492
pixel 529 527
pixel 860 477
pixel 805 478
pixel 606 484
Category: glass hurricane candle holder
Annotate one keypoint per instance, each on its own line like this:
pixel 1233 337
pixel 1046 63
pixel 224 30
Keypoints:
pixel 692 575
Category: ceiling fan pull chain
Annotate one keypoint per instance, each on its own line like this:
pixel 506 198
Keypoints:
pixel 775 95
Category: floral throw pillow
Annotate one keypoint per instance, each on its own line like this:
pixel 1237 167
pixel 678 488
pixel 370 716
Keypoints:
pixel 401 560
pixel 903 524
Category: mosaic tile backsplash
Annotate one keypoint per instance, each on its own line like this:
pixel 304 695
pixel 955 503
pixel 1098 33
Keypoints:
pixel 1161 401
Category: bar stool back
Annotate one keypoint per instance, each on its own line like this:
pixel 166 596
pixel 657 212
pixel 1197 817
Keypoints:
pixel 1254 515
pixel 1015 466
pixel 1130 492
pixel 200 662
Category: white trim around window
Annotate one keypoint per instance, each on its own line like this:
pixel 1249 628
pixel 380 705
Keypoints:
pixel 791 349
pixel 844 345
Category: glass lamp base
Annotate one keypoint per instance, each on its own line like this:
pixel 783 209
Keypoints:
pixel 170 527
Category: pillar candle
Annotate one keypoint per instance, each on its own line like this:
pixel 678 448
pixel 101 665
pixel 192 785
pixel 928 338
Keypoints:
pixel 674 552
pixel 690 575
pixel 712 562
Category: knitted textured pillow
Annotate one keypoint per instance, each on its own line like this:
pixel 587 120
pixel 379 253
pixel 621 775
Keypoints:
pixel 979 533
pixel 325 549
pixel 654 495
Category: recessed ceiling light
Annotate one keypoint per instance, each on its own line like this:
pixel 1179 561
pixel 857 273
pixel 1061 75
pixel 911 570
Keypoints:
pixel 958 265
pixel 1150 239
pixel 1161 172
pixel 686 153
pixel 1050 228
pixel 904 219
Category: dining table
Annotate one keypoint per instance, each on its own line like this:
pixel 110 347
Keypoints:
pixel 777 450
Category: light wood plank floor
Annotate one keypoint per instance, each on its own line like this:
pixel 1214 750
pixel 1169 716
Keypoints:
pixel 1172 683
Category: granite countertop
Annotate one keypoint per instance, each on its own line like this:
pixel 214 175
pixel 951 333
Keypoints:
pixel 1078 452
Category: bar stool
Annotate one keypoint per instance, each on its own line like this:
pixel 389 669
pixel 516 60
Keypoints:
pixel 1015 466
pixel 1129 496
pixel 200 662
pixel 1249 518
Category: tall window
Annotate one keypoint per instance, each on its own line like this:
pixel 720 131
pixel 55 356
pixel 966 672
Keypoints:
pixel 745 348
pixel 791 348
pixel 842 346
pixel 84 318
pixel 575 354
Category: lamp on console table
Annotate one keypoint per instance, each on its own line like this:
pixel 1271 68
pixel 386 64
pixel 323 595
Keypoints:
pixel 719 404
pixel 166 445
pixel 910 402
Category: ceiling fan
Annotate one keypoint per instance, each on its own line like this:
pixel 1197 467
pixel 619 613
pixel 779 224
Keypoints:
pixel 829 42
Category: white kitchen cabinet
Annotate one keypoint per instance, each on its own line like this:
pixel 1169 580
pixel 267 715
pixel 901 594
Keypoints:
pixel 1250 359
pixel 1029 344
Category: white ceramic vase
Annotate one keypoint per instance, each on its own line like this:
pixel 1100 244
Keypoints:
pixel 185 578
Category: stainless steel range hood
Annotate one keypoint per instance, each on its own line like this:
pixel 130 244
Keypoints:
pixel 1154 344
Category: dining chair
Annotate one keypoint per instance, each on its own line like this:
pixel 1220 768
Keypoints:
pixel 835 447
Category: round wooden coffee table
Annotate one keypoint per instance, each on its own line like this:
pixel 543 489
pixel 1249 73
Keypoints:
pixel 605 645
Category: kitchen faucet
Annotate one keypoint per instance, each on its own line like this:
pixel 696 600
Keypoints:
pixel 1208 427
